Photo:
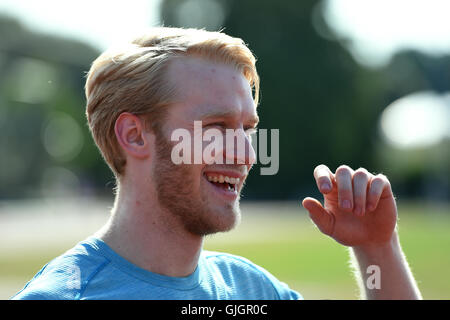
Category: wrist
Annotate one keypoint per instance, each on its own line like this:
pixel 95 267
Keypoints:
pixel 378 250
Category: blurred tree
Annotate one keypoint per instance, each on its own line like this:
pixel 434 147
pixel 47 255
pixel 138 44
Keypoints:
pixel 419 172
pixel 42 76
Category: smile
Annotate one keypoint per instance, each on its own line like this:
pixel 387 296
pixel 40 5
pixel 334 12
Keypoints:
pixel 225 185
pixel 221 181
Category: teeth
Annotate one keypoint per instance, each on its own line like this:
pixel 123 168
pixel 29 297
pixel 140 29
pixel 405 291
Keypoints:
pixel 223 179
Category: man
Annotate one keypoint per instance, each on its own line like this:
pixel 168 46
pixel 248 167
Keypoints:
pixel 151 247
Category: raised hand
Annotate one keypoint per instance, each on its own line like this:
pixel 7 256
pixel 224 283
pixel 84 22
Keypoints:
pixel 359 208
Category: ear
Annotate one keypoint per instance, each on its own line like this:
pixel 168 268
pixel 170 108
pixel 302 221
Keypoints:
pixel 130 133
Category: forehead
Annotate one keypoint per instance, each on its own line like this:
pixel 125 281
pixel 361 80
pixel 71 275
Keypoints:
pixel 205 88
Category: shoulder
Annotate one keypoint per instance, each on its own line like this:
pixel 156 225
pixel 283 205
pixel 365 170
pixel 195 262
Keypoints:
pixel 233 263
pixel 65 277
pixel 242 270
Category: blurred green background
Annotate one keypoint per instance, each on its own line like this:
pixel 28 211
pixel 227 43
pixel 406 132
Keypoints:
pixel 332 105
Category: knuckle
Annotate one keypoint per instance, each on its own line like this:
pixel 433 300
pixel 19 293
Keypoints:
pixel 359 195
pixel 345 190
pixel 320 167
pixel 343 169
pixel 361 173
pixel 377 186
pixel 382 178
pixel 378 178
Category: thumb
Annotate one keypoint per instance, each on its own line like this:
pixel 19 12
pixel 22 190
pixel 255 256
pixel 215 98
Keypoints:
pixel 323 220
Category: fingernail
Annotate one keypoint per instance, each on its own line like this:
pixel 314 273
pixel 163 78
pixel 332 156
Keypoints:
pixel 370 207
pixel 346 204
pixel 358 211
pixel 325 186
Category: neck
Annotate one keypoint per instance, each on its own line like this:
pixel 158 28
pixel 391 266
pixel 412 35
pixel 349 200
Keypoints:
pixel 149 236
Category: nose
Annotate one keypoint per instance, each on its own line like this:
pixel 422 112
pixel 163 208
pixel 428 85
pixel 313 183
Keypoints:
pixel 238 148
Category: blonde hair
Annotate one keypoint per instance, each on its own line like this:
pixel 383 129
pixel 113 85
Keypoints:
pixel 132 79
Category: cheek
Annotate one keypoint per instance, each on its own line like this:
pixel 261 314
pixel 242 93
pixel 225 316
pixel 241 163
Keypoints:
pixel 213 152
pixel 198 172
pixel 193 175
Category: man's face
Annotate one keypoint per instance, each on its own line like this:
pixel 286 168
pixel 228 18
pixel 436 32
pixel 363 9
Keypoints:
pixel 221 98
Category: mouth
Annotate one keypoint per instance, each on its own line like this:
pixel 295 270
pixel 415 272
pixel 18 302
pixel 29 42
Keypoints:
pixel 225 185
pixel 226 182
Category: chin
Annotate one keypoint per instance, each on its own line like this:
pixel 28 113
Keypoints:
pixel 217 219
pixel 229 218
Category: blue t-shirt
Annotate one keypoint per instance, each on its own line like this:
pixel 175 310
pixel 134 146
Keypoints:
pixel 92 270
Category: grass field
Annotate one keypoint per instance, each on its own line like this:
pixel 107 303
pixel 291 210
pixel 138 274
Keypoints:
pixel 277 236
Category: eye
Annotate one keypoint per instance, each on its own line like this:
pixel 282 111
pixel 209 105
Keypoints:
pixel 220 125
pixel 250 130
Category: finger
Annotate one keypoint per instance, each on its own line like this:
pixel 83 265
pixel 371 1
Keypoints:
pixel 360 183
pixel 379 184
pixel 324 178
pixel 322 219
pixel 344 185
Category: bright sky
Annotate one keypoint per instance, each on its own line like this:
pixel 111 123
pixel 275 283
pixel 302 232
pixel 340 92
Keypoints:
pixel 378 28
pixel 417 120
pixel 99 22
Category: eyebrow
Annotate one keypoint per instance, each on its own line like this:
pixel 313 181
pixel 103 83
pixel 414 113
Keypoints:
pixel 225 114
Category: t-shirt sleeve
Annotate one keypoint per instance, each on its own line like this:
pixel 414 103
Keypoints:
pixel 281 288
pixel 276 289
pixel 30 295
